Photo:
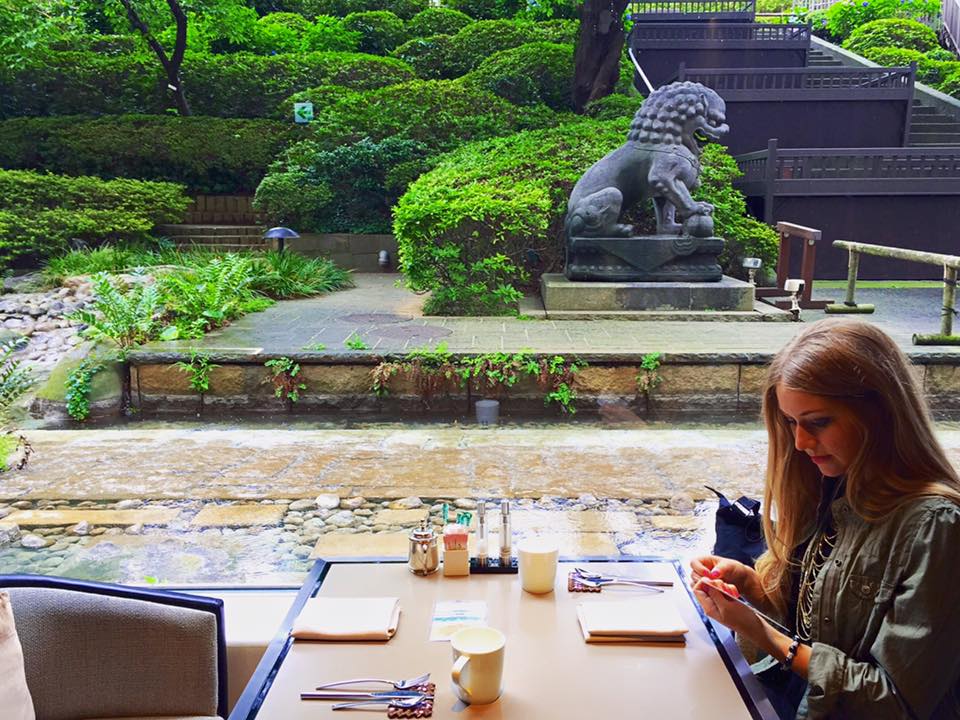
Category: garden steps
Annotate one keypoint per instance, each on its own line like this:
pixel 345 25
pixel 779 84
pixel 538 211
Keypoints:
pixel 229 238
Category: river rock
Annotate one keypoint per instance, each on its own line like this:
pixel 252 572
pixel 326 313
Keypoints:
pixel 35 542
pixel 682 503
pixel 134 529
pixel 128 504
pixel 342 519
pixel 352 503
pixel 407 503
pixel 303 504
pixel 465 504
pixel 80 529
pixel 587 500
pixel 327 501
pixel 9 534
pixel 4 512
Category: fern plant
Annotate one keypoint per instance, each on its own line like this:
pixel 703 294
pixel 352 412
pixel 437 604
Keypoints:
pixel 210 295
pixel 15 379
pixel 124 315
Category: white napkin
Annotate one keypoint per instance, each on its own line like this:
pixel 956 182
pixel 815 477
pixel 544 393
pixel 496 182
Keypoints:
pixel 329 618
pixel 647 619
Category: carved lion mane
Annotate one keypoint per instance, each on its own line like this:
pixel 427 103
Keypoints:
pixel 670 113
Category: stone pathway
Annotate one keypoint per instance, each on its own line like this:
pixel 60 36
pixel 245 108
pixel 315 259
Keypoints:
pixel 203 504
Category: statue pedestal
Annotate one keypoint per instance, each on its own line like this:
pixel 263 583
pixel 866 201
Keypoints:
pixel 561 295
pixel 655 258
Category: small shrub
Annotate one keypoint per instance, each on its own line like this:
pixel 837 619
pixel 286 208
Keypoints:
pixel 122 314
pixel 951 84
pixel 329 34
pixel 78 386
pixel 380 30
pixel 280 32
pixel 843 18
pixel 613 106
pixel 284 373
pixel 403 9
pixel 441 114
pixel 892 32
pixel 529 74
pixel 550 10
pixel 478 41
pixel 430 57
pixel 929 71
pixel 350 188
pixel 288 274
pixel 437 21
pixel 487 9
pixel 321 96
pixel 208 155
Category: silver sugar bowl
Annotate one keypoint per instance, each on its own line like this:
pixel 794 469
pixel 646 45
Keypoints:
pixel 423 557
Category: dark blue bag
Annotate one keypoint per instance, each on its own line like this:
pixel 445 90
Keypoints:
pixel 739 529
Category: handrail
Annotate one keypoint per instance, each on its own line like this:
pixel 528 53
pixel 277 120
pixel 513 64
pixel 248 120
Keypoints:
pixel 950 10
pixel 950 264
pixel 684 32
pixel 640 72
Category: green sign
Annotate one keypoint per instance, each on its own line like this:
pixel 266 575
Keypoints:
pixel 302 112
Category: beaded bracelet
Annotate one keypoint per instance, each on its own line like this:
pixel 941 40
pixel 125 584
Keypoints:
pixel 791 653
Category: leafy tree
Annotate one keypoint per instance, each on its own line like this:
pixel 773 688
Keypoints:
pixel 171 63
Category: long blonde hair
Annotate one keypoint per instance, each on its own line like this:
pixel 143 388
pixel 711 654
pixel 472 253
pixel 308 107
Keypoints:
pixel 899 458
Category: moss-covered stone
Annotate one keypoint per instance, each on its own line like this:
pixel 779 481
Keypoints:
pixel 106 385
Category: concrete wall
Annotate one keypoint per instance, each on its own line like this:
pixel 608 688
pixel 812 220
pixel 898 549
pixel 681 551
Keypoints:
pixel 354 252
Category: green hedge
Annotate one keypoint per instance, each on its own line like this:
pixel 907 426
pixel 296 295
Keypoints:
pixel 932 67
pixel 349 188
pixel 240 85
pixel 439 113
pixel 430 57
pixel 487 9
pixel 843 18
pixel 40 214
pixel 437 21
pixel 208 155
pixel 613 106
pixel 404 9
pixel 530 74
pixel 892 32
pixel 380 30
pixel 464 227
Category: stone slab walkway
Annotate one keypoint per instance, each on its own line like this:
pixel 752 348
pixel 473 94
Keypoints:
pixel 388 319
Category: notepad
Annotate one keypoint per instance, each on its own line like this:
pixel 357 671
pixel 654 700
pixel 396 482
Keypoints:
pixel 365 618
pixel 646 619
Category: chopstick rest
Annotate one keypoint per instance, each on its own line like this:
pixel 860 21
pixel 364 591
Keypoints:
pixel 423 710
pixel 574 584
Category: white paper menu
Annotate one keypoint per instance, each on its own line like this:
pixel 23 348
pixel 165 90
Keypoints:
pixel 452 615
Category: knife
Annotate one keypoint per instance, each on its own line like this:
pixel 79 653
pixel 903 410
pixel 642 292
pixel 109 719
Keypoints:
pixel 360 695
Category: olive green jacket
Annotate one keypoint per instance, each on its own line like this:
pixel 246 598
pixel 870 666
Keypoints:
pixel 886 628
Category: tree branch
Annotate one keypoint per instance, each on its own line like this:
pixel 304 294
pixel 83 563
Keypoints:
pixel 139 25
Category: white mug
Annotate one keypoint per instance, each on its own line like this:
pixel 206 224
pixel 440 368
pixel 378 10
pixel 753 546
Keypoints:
pixel 538 564
pixel 478 664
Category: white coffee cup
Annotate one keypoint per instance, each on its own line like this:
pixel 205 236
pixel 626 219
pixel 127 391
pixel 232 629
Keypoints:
pixel 538 564
pixel 478 664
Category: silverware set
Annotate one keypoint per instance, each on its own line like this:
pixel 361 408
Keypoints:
pixel 591 579
pixel 403 695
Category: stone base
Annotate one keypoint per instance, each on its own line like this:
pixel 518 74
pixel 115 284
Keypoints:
pixel 563 295
pixel 654 258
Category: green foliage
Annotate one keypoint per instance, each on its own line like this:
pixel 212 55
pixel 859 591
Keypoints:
pixel 487 9
pixel 745 236
pixel 441 114
pixel 284 374
pixel 380 30
pixel 529 74
pixel 550 10
pixel 207 154
pixel 40 214
pixel 430 57
pixel 350 188
pixel 613 106
pixel 437 21
pixel 288 274
pixel 125 315
pixel 329 34
pixel 15 378
pixel 932 69
pixel 239 85
pixel 892 32
pixel 436 370
pixel 208 296
pixel 355 342
pixel 78 388
pixel 951 84
pixel 198 369
pixel 843 18
pixel 648 376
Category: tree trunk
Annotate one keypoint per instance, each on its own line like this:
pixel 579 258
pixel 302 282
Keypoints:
pixel 599 46
pixel 171 65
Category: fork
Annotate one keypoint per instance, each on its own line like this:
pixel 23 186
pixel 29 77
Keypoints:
pixel 410 702
pixel 596 579
pixel 398 684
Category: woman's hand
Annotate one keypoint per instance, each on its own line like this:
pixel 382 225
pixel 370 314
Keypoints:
pixel 736 616
pixel 714 567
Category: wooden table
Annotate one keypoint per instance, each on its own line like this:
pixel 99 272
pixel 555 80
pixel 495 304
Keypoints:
pixel 550 673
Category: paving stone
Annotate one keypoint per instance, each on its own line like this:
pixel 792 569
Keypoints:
pixel 676 523
pixel 238 515
pixel 393 544
pixel 144 516
pixel 400 517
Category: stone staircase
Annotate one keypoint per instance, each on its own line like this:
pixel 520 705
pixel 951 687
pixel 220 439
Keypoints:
pixel 929 127
pixel 226 238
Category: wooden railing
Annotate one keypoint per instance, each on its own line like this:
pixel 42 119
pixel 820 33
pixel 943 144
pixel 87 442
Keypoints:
pixel 847 80
pixel 688 10
pixel 950 31
pixel 679 33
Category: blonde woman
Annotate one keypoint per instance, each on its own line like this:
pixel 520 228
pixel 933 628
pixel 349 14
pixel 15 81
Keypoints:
pixel 862 520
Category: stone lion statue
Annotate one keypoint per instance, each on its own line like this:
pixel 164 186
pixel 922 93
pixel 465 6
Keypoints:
pixel 659 161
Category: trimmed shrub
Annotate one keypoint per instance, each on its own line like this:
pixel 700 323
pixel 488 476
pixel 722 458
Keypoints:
pixel 102 44
pixel 951 84
pixel 487 9
pixel 892 32
pixel 559 31
pixel 439 113
pixel 430 57
pixel 613 106
pixel 437 21
pixel 239 85
pixel 380 30
pixel 322 97
pixel 403 9
pixel 328 34
pixel 478 41
pixel 929 71
pixel 350 188
pixel 843 18
pixel 208 155
pixel 530 74
pixel 41 214
pixel 550 10
pixel 464 228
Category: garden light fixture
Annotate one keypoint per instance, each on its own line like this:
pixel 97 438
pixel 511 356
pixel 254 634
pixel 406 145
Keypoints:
pixel 752 265
pixel 280 234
